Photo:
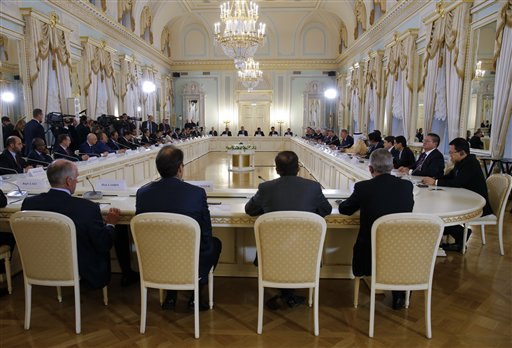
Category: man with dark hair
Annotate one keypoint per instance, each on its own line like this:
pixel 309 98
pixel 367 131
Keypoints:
pixel 288 132
pixel 389 144
pixel 226 133
pixel 7 128
pixel 367 197
pixel 11 157
pixel 150 125
pixel 467 174
pixel 63 149
pixel 213 132
pixel 154 197
pixel 405 155
pixel 431 161
pixel 273 132
pixel 476 140
pixel 94 237
pixel 375 142
pixel 165 127
pixel 331 139
pixel 288 192
pixel 242 132
pixel 346 139
pixel 34 129
pixel 259 133
pixel 39 154
pixel 82 130
pixel 419 135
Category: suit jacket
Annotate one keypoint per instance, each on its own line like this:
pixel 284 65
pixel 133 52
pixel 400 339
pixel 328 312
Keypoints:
pixel 289 133
pixel 406 159
pixel 164 127
pixel 379 145
pixel 93 237
pixel 468 174
pixel 126 143
pixel 224 133
pixel 432 166
pixel 272 133
pixel 332 141
pixel 395 153
pixel 214 133
pixel 38 158
pixel 100 147
pixel 85 148
pixel 190 201
pixel 81 133
pixel 379 196
pixel 475 142
pixel 112 145
pixel 289 193
pixel 58 151
pixel 146 124
pixel 244 132
pixel 347 142
pixel 33 129
pixel 145 140
pixel 7 132
pixel 259 133
pixel 7 161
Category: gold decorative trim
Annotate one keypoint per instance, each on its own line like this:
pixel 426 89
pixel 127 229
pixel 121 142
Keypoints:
pixel 271 64
pixel 462 218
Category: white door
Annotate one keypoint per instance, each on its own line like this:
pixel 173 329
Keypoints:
pixel 254 115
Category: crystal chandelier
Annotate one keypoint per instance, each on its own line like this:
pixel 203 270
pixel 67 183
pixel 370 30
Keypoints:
pixel 250 74
pixel 240 38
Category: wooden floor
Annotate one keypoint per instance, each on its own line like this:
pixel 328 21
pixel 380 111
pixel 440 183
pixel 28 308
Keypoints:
pixel 471 307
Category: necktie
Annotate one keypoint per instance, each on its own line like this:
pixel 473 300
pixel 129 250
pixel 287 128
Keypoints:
pixel 18 162
pixel 420 161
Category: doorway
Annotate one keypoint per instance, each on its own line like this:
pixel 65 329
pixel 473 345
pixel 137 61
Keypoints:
pixel 252 115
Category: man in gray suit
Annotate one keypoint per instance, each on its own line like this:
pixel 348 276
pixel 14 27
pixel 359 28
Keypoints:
pixel 289 192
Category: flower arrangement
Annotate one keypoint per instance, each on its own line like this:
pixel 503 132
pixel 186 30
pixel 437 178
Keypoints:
pixel 241 146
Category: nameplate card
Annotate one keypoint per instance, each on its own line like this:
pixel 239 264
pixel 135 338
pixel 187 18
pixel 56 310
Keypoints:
pixel 224 135
pixel 241 135
pixel 130 151
pixel 92 159
pixel 111 154
pixel 288 135
pixel 207 185
pixel 38 171
pixel 32 184
pixel 258 135
pixel 110 185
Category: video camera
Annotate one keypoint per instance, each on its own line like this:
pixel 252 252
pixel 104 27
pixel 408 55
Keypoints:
pixel 57 119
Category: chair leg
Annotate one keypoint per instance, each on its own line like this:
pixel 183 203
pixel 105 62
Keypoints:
pixel 210 288
pixel 196 311
pixel 59 293
pixel 315 310
pixel 500 236
pixel 28 304
pixel 143 306
pixel 310 293
pixel 105 295
pixel 161 295
pixel 372 311
pixel 428 300
pixel 407 298
pixel 482 227
pixel 465 235
pixel 357 280
pixel 261 291
pixel 8 273
pixel 78 326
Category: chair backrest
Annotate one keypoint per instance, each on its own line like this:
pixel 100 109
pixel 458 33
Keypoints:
pixel 167 247
pixel 289 245
pixel 498 188
pixel 404 248
pixel 47 245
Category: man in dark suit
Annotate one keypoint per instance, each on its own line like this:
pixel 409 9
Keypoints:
pixel 288 133
pixel 375 141
pixel 476 140
pixel 63 149
pixel 242 132
pixel 94 237
pixel 126 140
pixel 7 128
pixel 154 197
pixel 82 130
pixel 332 139
pixel 39 154
pixel 368 197
pixel 346 140
pixel 431 161
pixel 273 132
pixel 33 129
pixel 11 157
pixel 165 127
pixel 226 133
pixel 406 157
pixel 467 174
pixel 150 125
pixel 288 192
pixel 89 146
pixel 389 144
pixel 259 132
pixel 213 132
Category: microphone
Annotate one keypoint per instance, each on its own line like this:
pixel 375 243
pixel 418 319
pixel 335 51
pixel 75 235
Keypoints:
pixel 261 178
pixel 34 160
pixel 16 194
pixel 10 170
pixel 118 143
pixel 89 154
pixel 92 195
pixel 65 156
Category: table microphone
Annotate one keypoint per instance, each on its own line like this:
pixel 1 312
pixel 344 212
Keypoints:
pixel 65 156
pixel 18 193
pixel 89 154
pixel 118 143
pixel 261 178
pixel 92 195
pixel 34 160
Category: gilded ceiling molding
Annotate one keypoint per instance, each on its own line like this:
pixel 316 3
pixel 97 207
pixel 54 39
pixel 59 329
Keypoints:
pixel 273 64
pixel 99 20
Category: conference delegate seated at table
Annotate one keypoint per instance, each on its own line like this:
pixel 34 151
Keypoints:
pixel 405 155
pixel 62 149
pixel 101 146
pixel 213 132
pixel 331 139
pixel 126 140
pixel 375 142
pixel 288 133
pixel 273 132
pixel 226 133
pixel 11 160
pixel 430 162
pixel 346 139
pixel 389 144
pixel 39 155
pixel 89 146
pixel 242 132
pixel 259 133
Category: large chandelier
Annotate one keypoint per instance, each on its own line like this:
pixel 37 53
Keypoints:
pixel 250 74
pixel 240 38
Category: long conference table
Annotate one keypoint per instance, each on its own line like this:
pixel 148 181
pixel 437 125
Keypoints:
pixel 336 173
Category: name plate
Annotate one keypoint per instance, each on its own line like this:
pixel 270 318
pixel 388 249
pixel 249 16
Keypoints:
pixel 92 159
pixel 111 154
pixel 130 151
pixel 207 185
pixel 32 184
pixel 258 135
pixel 110 185
pixel 241 135
pixel 37 171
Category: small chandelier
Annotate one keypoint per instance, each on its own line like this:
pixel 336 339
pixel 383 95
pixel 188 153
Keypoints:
pixel 250 75
pixel 240 38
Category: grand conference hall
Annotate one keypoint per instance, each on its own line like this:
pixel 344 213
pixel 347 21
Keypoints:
pixel 392 66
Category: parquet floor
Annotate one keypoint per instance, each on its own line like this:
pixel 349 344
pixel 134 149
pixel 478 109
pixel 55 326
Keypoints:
pixel 471 307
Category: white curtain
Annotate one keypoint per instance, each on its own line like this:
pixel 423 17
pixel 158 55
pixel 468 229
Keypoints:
pixel 501 143
pixel 355 107
pixel 149 99
pixel 340 82
pixel 48 54
pixel 397 107
pixel 130 87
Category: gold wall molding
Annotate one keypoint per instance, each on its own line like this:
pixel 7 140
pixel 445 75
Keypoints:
pixel 273 64
pixel 97 19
